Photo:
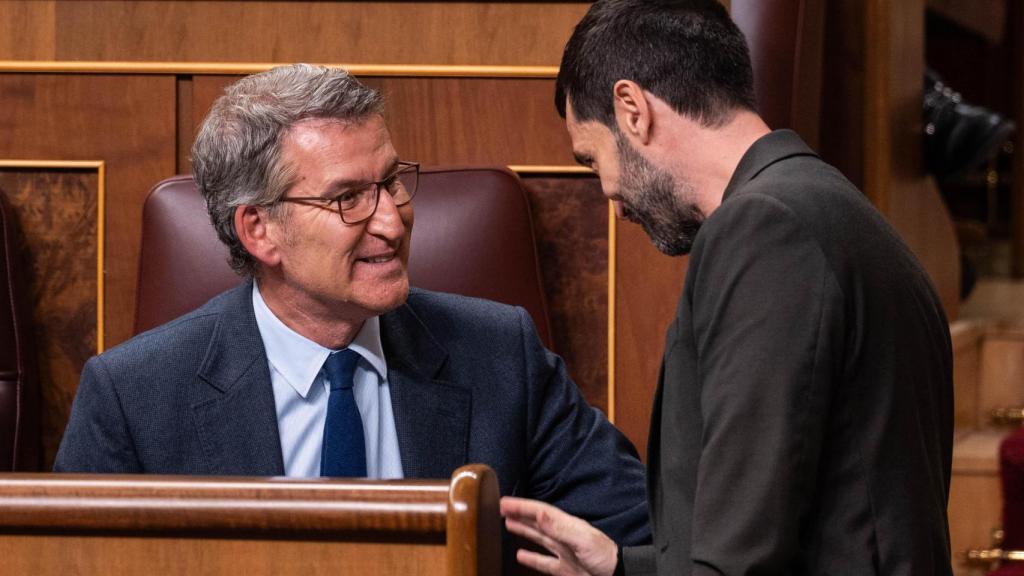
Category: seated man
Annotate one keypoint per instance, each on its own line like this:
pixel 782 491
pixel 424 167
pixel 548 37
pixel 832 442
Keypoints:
pixel 326 363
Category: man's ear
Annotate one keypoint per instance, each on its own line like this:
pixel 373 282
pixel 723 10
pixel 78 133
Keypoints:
pixel 632 112
pixel 253 226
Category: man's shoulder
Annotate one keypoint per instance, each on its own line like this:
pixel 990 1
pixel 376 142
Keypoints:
pixel 429 304
pixel 179 342
pixel 452 318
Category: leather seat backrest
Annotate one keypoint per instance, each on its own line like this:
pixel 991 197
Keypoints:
pixel 473 235
pixel 19 387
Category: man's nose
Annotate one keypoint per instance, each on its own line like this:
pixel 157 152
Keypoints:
pixel 386 221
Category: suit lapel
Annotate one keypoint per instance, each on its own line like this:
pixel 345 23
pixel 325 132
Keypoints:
pixel 238 424
pixel 431 414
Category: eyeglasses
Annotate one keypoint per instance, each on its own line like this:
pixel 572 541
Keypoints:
pixel 358 203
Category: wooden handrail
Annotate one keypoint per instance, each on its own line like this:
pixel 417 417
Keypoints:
pixel 459 519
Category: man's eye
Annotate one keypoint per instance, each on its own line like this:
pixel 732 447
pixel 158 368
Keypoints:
pixel 347 198
pixel 394 185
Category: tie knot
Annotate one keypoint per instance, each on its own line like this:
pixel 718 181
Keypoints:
pixel 340 367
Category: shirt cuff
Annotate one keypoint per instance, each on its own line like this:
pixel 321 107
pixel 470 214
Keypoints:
pixel 620 568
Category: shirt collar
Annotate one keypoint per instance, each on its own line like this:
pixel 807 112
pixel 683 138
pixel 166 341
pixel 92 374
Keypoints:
pixel 298 359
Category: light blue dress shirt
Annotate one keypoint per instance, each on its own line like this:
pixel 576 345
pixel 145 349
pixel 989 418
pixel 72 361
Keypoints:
pixel 301 391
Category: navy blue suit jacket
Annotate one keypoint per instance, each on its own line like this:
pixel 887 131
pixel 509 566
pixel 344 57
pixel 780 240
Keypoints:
pixel 470 383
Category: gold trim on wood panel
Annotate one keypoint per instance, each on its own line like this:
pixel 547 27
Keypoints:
pixel 101 245
pixel 555 169
pixel 100 167
pixel 612 237
pixel 54 164
pixel 215 68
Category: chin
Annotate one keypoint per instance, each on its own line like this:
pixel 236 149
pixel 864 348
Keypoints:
pixel 387 298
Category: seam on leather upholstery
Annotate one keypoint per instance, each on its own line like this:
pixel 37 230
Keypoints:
pixel 19 380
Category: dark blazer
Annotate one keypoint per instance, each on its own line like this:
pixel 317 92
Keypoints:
pixel 803 418
pixel 469 379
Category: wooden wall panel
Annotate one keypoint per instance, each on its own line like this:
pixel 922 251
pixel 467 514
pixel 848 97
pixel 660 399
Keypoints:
pixel 894 177
pixel 57 216
pixel 530 33
pixel 647 288
pixel 46 555
pixel 570 217
pixel 476 120
pixel 126 121
pixel 27 30
pixel 480 121
pixel 842 117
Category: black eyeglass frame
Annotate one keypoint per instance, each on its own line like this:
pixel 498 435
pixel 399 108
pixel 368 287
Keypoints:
pixel 324 203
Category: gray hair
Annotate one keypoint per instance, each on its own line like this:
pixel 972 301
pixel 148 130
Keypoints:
pixel 236 158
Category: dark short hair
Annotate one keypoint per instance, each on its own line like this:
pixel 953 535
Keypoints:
pixel 689 53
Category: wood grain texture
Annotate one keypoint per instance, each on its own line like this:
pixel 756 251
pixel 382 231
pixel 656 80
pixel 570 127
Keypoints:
pixel 444 121
pixel 647 287
pixel 94 524
pixel 842 116
pixel 894 178
pixel 27 30
pixel 126 121
pixel 529 33
pixel 105 524
pixel 62 503
pixel 476 120
pixel 132 555
pixel 473 529
pixel 57 215
pixel 571 222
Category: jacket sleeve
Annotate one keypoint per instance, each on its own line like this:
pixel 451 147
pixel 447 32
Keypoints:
pixel 639 561
pixel 96 438
pixel 767 315
pixel 578 461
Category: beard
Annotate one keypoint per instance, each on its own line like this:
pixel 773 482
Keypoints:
pixel 652 198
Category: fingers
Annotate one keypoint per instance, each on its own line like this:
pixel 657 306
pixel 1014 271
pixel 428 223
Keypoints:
pixel 537 537
pixel 577 547
pixel 512 506
pixel 533 521
pixel 540 562
pixel 541 516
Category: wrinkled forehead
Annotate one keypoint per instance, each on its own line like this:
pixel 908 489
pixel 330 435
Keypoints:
pixel 363 145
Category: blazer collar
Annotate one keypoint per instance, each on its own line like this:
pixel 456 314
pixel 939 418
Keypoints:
pixel 432 414
pixel 238 423
pixel 767 150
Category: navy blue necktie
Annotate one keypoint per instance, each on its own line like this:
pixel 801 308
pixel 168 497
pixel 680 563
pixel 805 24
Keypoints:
pixel 344 450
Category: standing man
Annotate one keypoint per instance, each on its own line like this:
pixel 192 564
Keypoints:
pixel 803 418
pixel 325 362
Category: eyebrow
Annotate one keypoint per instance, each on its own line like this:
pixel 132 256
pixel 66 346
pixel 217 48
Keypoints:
pixel 337 186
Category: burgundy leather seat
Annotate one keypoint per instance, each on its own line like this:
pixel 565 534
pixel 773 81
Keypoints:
pixel 19 389
pixel 473 235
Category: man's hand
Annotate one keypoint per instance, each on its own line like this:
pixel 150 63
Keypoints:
pixel 578 548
